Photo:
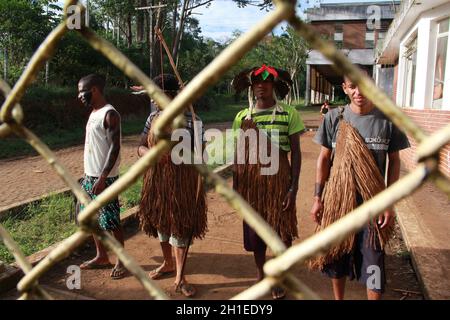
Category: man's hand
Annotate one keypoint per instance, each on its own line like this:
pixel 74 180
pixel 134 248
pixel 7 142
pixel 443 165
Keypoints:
pixel 386 218
pixel 99 186
pixel 289 200
pixel 317 210
pixel 142 150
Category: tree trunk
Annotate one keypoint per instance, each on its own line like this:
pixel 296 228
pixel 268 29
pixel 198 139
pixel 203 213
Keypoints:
pixel 147 28
pixel 5 63
pixel 140 29
pixel 157 53
pixel 174 23
pixel 129 32
pixel 177 41
pixel 118 31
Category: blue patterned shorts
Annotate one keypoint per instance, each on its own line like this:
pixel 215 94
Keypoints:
pixel 109 215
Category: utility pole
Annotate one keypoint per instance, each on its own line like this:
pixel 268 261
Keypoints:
pixel 87 14
pixel 47 63
pixel 150 13
pixel 5 64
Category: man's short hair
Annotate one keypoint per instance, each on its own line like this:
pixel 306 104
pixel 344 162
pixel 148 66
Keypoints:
pixel 364 68
pixel 167 82
pixel 94 80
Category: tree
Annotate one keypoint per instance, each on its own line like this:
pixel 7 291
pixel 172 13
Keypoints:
pixel 23 26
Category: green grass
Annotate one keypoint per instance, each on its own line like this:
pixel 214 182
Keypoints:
pixel 224 110
pixel 14 147
pixel 40 225
pixel 130 197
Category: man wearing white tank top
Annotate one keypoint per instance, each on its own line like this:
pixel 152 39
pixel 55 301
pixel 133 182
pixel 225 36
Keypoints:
pixel 101 165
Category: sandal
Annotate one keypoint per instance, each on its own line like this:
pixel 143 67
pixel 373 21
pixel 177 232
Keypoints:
pixel 87 265
pixel 118 273
pixel 186 289
pixel 158 274
pixel 278 293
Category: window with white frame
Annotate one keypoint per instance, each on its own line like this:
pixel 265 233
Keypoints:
pixel 339 35
pixel 370 38
pixel 382 31
pixel 440 62
pixel 410 59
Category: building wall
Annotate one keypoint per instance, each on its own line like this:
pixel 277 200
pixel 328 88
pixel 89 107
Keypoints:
pixel 320 88
pixel 430 121
pixel 354 35
pixel 424 31
pixel 324 28
pixel 354 32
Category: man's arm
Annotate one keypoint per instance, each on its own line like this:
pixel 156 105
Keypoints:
pixel 296 163
pixel 393 171
pixel 322 174
pixel 112 126
pixel 393 174
pixel 143 145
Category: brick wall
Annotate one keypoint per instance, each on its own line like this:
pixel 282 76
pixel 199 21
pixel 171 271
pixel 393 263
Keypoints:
pixel 354 32
pixel 354 35
pixel 324 28
pixel 430 121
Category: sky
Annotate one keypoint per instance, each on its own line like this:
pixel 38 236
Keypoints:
pixel 222 17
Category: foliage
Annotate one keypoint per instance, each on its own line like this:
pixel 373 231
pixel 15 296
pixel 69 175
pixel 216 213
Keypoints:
pixel 24 24
pixel 42 224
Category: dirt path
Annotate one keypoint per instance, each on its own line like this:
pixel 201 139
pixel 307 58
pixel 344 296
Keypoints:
pixel 218 265
pixel 27 178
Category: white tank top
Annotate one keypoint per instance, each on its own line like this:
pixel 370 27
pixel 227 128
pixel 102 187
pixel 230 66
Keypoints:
pixel 97 145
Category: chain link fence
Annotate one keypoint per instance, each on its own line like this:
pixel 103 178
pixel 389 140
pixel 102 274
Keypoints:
pixel 277 270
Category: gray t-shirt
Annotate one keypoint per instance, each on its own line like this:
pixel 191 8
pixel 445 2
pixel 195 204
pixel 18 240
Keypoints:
pixel 379 133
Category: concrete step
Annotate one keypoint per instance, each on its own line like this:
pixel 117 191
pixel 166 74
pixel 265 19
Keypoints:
pixel 424 219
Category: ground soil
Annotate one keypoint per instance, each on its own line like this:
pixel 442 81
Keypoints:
pixel 218 266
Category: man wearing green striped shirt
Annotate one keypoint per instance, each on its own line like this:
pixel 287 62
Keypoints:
pixel 274 196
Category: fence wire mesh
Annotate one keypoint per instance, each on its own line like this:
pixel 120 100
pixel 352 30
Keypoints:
pixel 277 270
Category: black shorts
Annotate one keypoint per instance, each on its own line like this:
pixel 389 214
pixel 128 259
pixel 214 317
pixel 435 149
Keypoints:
pixel 252 242
pixel 366 264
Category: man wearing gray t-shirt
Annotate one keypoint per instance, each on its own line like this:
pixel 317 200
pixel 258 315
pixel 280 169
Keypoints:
pixel 384 140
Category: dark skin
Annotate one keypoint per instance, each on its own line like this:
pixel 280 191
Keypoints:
pixel 167 249
pixel 112 126
pixel 263 91
pixel 359 105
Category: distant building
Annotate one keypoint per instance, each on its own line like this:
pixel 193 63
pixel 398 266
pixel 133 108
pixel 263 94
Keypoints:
pixel 353 28
pixel 418 49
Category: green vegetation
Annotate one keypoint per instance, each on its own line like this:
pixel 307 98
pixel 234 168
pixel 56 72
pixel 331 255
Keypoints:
pixel 25 24
pixel 40 225
pixel 60 138
pixel 223 109
pixel 43 224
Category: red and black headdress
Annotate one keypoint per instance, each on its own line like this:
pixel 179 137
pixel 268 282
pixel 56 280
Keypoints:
pixel 281 79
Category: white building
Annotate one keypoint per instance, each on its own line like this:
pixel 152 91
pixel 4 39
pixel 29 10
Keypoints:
pixel 356 28
pixel 414 60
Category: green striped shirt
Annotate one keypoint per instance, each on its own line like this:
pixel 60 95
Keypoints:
pixel 287 122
